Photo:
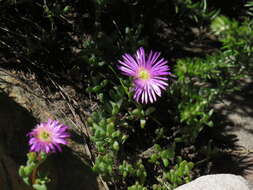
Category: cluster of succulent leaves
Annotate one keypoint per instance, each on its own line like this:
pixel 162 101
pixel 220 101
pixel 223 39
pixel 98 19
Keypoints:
pixel 136 146
pixel 198 84
pixel 111 134
pixel 30 174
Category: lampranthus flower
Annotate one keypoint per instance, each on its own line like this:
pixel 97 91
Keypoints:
pixel 148 72
pixel 47 136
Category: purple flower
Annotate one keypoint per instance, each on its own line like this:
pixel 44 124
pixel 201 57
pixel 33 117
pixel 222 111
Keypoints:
pixel 148 72
pixel 47 136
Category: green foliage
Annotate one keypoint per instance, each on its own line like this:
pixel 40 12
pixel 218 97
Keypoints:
pixel 237 38
pixel 137 147
pixel 104 164
pixel 40 184
pixel 137 186
pixel 179 174
pixel 197 11
pixel 117 119
pixel 165 155
pixel 249 6
pixel 29 172
pixel 197 89
pixel 200 82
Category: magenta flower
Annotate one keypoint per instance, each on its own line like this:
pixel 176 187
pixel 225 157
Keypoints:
pixel 47 136
pixel 148 72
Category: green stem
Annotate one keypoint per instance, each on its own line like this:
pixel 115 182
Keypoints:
pixel 122 84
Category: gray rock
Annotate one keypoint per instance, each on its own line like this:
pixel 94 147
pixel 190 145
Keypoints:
pixel 218 182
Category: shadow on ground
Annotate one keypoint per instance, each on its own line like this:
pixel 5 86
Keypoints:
pixel 233 134
pixel 66 170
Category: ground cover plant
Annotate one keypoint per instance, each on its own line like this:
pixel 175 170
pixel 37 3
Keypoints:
pixel 138 64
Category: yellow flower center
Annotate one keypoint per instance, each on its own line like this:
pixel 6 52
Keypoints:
pixel 44 136
pixel 143 74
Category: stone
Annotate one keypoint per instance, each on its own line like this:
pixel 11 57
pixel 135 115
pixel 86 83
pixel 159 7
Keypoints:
pixel 218 182
pixel 21 109
pixel 9 178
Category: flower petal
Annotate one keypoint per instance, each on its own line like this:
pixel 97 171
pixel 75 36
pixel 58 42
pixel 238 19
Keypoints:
pixel 149 73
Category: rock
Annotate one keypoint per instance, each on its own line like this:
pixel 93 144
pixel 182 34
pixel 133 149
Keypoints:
pixel 218 182
pixel 9 178
pixel 22 107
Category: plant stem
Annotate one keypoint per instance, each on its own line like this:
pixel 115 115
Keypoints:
pixel 34 173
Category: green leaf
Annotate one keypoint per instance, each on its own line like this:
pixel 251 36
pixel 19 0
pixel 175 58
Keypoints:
pixel 104 83
pixel 220 24
pixel 96 88
pixel 115 108
pixel 32 156
pixel 28 170
pixel 142 123
pixel 66 9
pixel 110 128
pixel 124 174
pixel 115 145
pixel 210 113
pixel 109 168
pixel 26 180
pixel 43 156
pixel 165 162
pixel 173 178
pixel 180 172
pixel 21 171
pixel 136 112
pixel 124 138
pixel 102 167
pixel 153 158
pixel 101 149
pixel 89 120
pixel 116 134
pixel 40 186
pixel 210 123
pixel 190 165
